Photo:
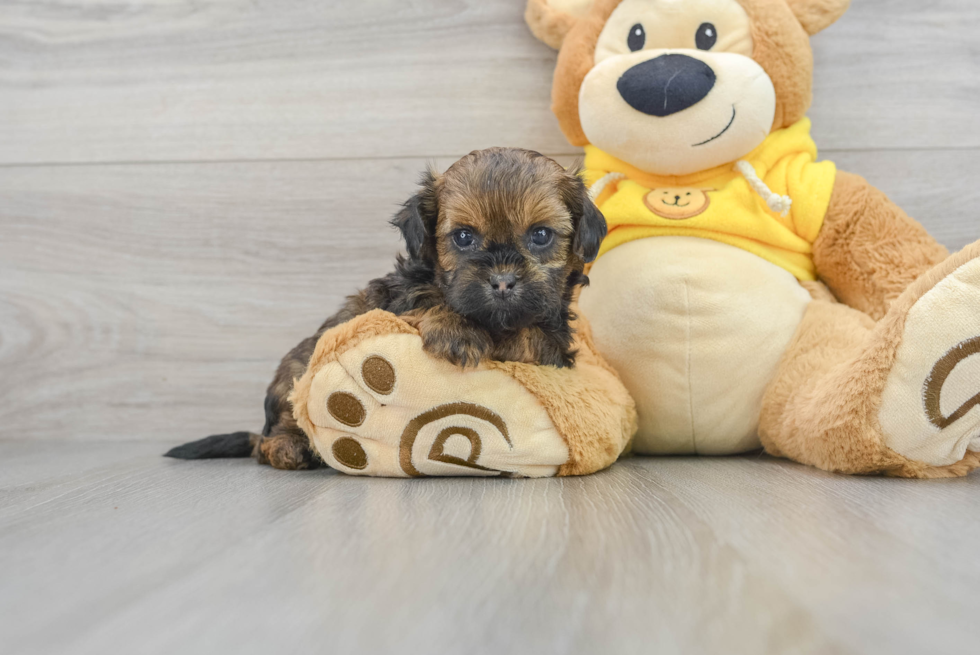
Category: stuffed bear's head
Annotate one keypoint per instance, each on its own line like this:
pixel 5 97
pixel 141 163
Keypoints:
pixel 673 87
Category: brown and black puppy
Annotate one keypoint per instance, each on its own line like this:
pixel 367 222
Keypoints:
pixel 496 248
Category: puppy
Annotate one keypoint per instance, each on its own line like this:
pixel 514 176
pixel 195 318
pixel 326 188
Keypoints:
pixel 496 248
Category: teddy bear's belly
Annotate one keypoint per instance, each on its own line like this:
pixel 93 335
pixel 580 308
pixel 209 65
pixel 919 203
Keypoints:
pixel 696 329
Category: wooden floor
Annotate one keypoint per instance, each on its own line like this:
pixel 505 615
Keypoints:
pixel 109 548
pixel 188 188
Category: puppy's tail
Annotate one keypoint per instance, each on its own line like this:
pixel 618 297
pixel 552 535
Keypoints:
pixel 235 444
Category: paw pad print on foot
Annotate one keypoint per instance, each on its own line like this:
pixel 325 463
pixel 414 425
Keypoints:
pixel 349 453
pixel 386 408
pixel 378 374
pixel 346 408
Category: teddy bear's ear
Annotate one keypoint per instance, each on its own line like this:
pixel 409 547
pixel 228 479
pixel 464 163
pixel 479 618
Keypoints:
pixel 816 15
pixel 550 20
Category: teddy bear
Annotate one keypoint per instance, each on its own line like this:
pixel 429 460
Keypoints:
pixel 748 294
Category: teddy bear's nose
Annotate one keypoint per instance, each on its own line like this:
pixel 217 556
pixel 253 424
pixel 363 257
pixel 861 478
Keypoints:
pixel 666 85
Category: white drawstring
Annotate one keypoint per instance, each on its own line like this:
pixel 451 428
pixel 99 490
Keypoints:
pixel 600 185
pixel 777 203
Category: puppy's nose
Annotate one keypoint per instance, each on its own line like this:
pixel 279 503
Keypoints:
pixel 503 283
pixel 666 85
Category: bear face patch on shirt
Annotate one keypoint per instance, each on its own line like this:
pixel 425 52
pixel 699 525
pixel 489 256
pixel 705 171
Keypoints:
pixel 677 204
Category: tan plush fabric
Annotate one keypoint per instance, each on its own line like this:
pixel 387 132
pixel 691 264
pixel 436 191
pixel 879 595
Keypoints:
pixel 575 60
pixel 374 403
pixel 782 48
pixel 869 251
pixel 818 15
pixel 550 20
pixel 591 408
pixel 824 403
pixel 817 411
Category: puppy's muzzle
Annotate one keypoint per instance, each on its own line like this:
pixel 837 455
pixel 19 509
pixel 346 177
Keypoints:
pixel 503 284
pixel 666 84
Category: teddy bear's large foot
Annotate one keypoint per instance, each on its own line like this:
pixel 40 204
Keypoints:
pixel 374 403
pixel 930 405
pixel 387 408
pixel 899 397
pixel 381 406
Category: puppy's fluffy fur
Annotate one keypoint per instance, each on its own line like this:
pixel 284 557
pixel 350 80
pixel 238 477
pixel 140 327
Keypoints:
pixel 496 247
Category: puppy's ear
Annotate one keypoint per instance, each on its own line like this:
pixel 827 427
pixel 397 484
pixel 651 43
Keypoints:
pixel 590 225
pixel 417 218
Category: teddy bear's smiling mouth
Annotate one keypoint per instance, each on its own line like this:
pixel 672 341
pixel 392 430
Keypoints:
pixel 676 203
pixel 730 123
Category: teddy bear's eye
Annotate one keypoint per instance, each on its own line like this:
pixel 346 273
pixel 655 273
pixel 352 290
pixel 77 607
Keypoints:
pixel 637 38
pixel 706 37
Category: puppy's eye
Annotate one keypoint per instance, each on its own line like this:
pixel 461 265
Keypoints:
pixel 706 36
pixel 636 38
pixel 541 236
pixel 463 238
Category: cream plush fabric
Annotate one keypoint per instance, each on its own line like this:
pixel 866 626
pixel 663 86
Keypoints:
pixel 374 403
pixel 942 347
pixel 696 329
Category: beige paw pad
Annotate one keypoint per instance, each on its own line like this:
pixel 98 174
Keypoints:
pixel 930 409
pixel 386 408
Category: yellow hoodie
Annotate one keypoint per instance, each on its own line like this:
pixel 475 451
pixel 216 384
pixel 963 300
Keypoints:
pixel 720 204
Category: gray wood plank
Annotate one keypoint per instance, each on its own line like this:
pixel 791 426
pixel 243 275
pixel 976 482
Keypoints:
pixel 920 538
pixel 154 301
pixel 895 74
pixel 222 80
pixel 258 79
pixel 157 300
pixel 666 555
pixel 61 573
pixel 29 464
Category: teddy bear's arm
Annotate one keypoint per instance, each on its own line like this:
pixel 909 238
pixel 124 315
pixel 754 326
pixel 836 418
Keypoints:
pixel 869 250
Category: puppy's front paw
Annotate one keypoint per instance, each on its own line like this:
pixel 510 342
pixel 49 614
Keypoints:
pixel 553 353
pixel 534 346
pixel 462 347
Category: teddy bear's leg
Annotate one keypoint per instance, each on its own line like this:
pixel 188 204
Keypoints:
pixel 900 397
pixel 869 251
pixel 375 403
